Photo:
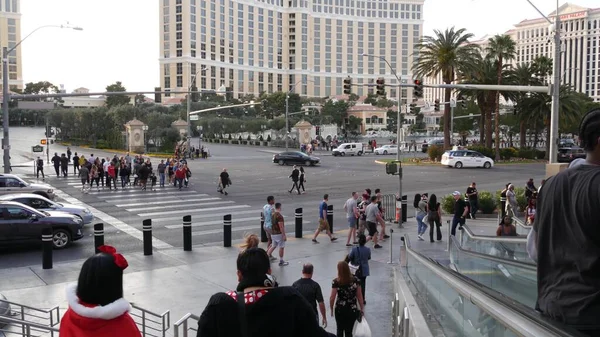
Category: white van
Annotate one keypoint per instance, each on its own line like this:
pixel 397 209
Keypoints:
pixel 350 149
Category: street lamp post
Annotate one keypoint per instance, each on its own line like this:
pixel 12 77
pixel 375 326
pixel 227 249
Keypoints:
pixel 6 92
pixel 287 110
pixel 189 109
pixel 145 128
pixel 398 129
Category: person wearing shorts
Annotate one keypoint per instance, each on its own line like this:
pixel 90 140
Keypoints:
pixel 373 216
pixel 278 235
pixel 268 225
pixel 323 224
pixel 351 209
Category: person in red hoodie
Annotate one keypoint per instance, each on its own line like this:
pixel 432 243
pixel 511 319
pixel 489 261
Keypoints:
pixel 96 304
pixel 180 175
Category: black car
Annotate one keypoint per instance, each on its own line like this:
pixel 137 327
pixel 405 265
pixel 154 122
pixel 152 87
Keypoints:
pixel 22 224
pixel 568 154
pixel 295 157
pixel 436 142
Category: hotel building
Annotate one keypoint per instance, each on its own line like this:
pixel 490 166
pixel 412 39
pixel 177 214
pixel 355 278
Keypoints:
pixel 10 34
pixel 304 46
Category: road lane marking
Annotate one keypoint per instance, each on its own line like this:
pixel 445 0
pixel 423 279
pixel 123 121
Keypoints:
pixel 187 211
pixel 166 202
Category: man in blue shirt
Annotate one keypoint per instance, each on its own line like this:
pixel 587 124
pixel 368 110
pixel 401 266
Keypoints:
pixel 323 224
pixel 268 225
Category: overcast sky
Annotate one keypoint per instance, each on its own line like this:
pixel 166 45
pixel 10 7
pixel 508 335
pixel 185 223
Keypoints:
pixel 120 37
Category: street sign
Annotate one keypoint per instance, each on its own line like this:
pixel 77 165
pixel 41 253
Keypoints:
pixel 43 141
pixel 453 103
pixel 193 117
pixel 37 148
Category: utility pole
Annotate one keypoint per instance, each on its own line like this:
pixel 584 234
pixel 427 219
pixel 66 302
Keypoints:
pixel 555 92
pixel 47 140
pixel 5 102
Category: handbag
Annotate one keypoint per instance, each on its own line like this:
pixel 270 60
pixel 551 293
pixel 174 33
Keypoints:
pixel 355 268
pixel 242 314
pixel 361 328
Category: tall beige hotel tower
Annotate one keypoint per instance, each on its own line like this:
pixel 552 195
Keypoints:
pixel 10 34
pixel 270 45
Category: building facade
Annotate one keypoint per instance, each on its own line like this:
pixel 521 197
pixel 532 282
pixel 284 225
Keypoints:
pixel 10 35
pixel 304 46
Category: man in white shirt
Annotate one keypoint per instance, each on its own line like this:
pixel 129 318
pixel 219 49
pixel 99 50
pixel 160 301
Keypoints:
pixel 351 209
pixel 268 210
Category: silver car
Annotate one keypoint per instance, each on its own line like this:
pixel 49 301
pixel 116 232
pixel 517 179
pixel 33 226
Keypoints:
pixel 10 184
pixel 44 204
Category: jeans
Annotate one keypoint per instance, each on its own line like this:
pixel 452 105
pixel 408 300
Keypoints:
pixel 474 207
pixel 435 224
pixel 179 181
pixel 123 181
pixel 162 179
pixel 421 226
pixel 344 319
pixel 455 222
pixel 40 169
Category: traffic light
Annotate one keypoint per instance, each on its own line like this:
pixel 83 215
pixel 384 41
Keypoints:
pixel 194 93
pixel 463 104
pixel 380 87
pixel 157 97
pixel 318 130
pixel 43 141
pixel 412 108
pixel 418 89
pixel 347 86
pixel 436 106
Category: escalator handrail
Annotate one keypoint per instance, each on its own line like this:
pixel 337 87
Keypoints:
pixel 515 263
pixel 521 224
pixel 493 238
pixel 511 314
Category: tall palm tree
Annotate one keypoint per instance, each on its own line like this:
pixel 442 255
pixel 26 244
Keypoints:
pixel 448 53
pixel 522 74
pixel 542 67
pixel 501 48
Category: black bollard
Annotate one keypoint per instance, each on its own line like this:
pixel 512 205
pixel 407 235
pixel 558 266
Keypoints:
pixel 187 233
pixel 404 208
pixel 263 234
pixel 299 223
pixel 147 229
pixel 47 248
pixel 227 230
pixel 98 236
pixel 330 217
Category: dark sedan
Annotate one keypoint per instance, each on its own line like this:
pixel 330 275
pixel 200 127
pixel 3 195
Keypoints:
pixel 295 157
pixel 22 224
pixel 568 154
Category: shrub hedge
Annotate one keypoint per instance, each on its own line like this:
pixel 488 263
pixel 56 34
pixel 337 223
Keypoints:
pixel 488 202
pixel 435 152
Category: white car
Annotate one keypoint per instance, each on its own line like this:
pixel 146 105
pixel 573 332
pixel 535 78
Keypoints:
pixel 387 149
pixel 466 158
pixel 44 204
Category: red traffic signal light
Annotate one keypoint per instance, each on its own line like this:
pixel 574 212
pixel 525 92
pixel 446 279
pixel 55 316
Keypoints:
pixel 347 86
pixel 418 88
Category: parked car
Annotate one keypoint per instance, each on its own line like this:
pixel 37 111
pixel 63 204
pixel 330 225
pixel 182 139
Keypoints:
pixel 22 224
pixel 295 157
pixel 436 142
pixel 44 204
pixel 466 158
pixel 568 154
pixel 350 149
pixel 566 142
pixel 10 184
pixel 387 149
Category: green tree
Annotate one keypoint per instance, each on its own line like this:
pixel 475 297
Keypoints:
pixel 41 88
pixel 447 53
pixel 384 103
pixel 274 105
pixel 501 48
pixel 464 126
pixel 337 110
pixel 353 97
pixel 523 74
pixel 371 99
pixel 116 100
pixel 354 125
pixel 139 99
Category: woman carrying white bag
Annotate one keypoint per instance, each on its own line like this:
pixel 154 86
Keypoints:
pixel 346 294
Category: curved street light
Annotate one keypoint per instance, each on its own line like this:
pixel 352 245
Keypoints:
pixel 6 92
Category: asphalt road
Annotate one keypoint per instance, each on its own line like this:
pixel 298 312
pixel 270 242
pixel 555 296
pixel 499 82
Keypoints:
pixel 254 177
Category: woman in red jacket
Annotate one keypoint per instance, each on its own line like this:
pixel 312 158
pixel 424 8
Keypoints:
pixel 96 304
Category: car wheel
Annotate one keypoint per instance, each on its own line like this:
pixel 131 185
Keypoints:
pixel 487 165
pixel 342 153
pixel 458 164
pixel 385 152
pixel 360 153
pixel 280 162
pixel 61 239
pixel 307 163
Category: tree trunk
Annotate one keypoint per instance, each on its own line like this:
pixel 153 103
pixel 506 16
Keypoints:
pixel 488 120
pixel 522 134
pixel 447 121
pixel 536 135
pixel 497 107
pixel 482 125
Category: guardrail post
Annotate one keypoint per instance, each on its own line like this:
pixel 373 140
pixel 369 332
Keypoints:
pixel 263 234
pixel 147 230
pixel 404 208
pixel 391 246
pixel 299 223
pixel 330 217
pixel 98 236
pixel 187 233
pixel 47 248
pixel 227 230
pixel 449 225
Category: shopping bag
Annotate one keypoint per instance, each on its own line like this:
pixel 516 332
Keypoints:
pixel 361 329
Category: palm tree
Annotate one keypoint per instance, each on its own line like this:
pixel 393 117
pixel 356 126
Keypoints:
pixel 542 68
pixel 523 74
pixel 446 53
pixel 502 48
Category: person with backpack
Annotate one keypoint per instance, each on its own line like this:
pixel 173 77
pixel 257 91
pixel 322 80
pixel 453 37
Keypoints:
pixel 434 217
pixel 358 260
pixel 39 165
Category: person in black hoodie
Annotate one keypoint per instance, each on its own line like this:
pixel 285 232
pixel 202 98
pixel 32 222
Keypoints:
pixel 56 162
pixel 295 176
pixel 263 300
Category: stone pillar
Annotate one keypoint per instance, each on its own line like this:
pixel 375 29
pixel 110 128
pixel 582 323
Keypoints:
pixel 304 131
pixel 135 136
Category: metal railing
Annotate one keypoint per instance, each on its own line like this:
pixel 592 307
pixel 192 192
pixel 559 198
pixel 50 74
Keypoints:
pixel 388 203
pixel 29 329
pixel 35 316
pixel 150 323
pixel 182 327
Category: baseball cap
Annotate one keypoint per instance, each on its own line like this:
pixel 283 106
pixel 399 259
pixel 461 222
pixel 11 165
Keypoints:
pixel 456 193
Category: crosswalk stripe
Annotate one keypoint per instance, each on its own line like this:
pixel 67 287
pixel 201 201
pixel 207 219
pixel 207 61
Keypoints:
pixel 142 194
pixel 177 206
pixel 204 216
pixel 220 230
pixel 187 211
pixel 167 202
pixel 234 221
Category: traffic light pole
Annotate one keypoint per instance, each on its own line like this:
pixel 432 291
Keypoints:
pixel 47 141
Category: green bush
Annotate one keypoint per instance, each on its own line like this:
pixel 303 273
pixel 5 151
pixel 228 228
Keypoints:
pixel 435 152
pixel 540 154
pixel 236 142
pixel 486 151
pixel 521 198
pixel 487 203
pixel 268 138
pixel 447 203
pixel 527 153
pixel 508 153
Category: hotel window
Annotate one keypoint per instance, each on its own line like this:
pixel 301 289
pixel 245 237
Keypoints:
pixel 179 81
pixel 167 82
pixel 179 68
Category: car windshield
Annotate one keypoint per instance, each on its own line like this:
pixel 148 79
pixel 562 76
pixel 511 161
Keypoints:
pixel 22 181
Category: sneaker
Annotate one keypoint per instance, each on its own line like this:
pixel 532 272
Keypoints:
pixel 226 193
pixel 333 239
pixel 377 246
pixel 315 241
pixel 283 263
pixel 386 236
pixel 272 258
pixel 421 238
pixel 349 245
